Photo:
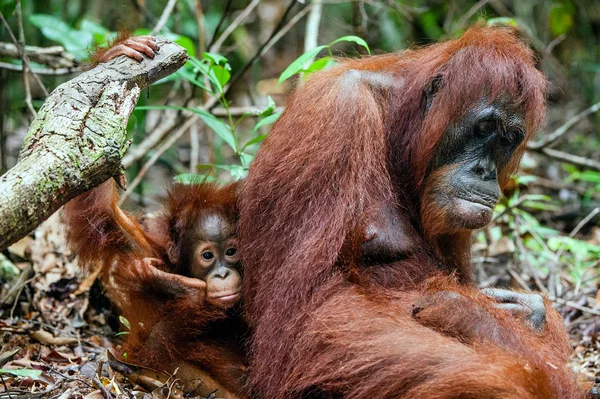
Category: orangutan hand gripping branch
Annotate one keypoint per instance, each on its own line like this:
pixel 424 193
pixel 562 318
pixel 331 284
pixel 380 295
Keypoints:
pixel 355 225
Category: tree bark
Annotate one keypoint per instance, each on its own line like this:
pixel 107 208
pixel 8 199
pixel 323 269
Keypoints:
pixel 77 140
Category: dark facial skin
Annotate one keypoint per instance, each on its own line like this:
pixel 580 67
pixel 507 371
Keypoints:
pixel 215 260
pixel 471 154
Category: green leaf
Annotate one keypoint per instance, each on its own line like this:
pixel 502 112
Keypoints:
pixel 185 42
pixel 193 178
pixel 189 75
pixel 216 59
pixel 73 40
pixel 33 374
pixel 266 121
pixel 320 64
pixel 246 160
pixel 218 126
pixel 270 108
pixel 7 7
pixel 299 63
pixel 221 74
pixel 93 28
pixel 354 39
pixel 561 18
pixel 502 21
pixel 204 67
pixel 237 172
pixel 125 322
pixel 256 140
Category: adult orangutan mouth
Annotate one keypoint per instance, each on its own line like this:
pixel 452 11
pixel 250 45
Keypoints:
pixel 485 202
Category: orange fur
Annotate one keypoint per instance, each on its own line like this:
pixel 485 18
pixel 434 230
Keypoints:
pixel 171 323
pixel 324 325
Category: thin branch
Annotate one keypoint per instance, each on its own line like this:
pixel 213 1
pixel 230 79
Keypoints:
pixel 554 43
pixel 54 56
pixel 465 18
pixel 558 133
pixel 41 71
pixel 164 18
pixel 194 147
pixel 142 10
pixel 161 150
pixel 279 31
pixel 218 28
pixel 574 305
pixel 21 48
pixel 239 111
pixel 25 59
pixel 216 47
pixel 570 158
pixel 576 230
pixel 312 28
pixel 200 27
pixel 136 153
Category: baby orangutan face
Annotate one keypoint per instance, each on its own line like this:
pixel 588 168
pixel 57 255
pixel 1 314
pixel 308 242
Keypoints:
pixel 215 260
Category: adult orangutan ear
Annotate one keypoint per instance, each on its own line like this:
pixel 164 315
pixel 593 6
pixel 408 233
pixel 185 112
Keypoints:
pixel 172 253
pixel 429 92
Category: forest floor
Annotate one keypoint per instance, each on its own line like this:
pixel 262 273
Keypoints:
pixel 57 328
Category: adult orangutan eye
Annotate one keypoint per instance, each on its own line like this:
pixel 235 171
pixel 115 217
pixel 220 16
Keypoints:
pixel 207 255
pixel 486 127
pixel 514 136
pixel 230 252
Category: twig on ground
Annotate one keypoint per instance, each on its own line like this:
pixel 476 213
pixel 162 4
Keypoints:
pixel 574 305
pixel 579 226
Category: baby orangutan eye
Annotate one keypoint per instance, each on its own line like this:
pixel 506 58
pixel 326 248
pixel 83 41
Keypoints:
pixel 230 252
pixel 207 255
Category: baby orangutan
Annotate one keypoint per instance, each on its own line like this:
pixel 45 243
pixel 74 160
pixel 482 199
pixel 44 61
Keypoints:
pixel 176 279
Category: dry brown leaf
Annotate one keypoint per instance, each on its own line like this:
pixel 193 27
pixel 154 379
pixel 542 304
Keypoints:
pixel 46 338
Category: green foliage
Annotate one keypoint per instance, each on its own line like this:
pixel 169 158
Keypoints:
pixel 7 269
pixel 298 65
pixel 75 41
pixel 542 245
pixel 7 7
pixel 126 324
pixel 561 17
pixel 33 374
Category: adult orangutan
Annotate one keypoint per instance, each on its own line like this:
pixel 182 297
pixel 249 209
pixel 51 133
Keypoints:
pixel 355 223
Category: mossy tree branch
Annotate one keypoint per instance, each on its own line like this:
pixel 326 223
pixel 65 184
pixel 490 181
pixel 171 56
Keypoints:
pixel 77 140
